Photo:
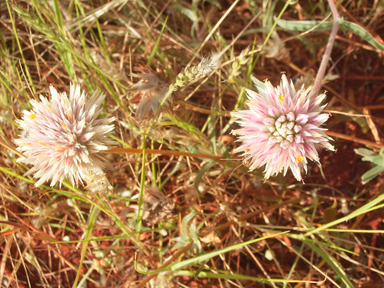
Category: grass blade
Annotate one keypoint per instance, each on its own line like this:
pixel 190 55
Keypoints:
pixel 207 256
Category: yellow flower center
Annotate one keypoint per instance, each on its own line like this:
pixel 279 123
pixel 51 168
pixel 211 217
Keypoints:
pixel 42 144
pixel 281 98
pixel 63 125
pixel 299 159
pixel 33 116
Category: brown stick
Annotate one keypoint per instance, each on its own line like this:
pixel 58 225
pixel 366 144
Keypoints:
pixel 164 152
pixel 354 139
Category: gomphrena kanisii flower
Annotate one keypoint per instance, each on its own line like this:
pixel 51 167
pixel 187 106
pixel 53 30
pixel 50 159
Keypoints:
pixel 281 129
pixel 62 138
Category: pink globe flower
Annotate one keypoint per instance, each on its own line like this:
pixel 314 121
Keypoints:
pixel 63 138
pixel 281 129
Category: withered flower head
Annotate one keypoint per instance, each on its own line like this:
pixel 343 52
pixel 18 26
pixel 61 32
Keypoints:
pixel 151 91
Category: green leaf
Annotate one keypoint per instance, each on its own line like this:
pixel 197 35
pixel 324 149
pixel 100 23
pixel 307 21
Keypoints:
pixel 364 152
pixel 202 172
pixel 88 233
pixel 303 25
pixel 362 210
pixel 316 25
pixel 157 44
pixel 377 160
pixel 360 31
pixel 370 174
pixel 335 265
pixel 234 276
pixel 187 12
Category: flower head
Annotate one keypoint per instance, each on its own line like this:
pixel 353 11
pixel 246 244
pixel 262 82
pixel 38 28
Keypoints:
pixel 62 137
pixel 281 129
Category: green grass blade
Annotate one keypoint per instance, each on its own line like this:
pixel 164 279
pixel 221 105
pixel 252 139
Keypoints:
pixel 91 222
pixel 331 262
pixel 235 276
pixel 153 53
pixel 360 31
pixel 304 25
pixel 362 210
pixel 207 256
pixel 270 32
pixel 58 15
pixel 202 172
pixel 140 211
pixel 20 49
pixel 318 25
pixel 370 174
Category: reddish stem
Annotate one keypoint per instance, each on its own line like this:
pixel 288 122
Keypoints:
pixel 163 152
pixel 328 50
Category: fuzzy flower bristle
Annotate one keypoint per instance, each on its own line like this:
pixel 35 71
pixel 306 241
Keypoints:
pixel 151 91
pixel 63 138
pixel 206 66
pixel 281 129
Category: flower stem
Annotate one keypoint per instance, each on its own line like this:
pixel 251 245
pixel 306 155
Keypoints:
pixel 328 50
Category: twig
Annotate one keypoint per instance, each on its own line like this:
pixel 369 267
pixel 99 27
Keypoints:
pixel 164 152
pixel 354 139
pixel 12 149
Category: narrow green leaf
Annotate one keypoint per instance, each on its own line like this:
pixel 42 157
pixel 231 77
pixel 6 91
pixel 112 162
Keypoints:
pixel 376 159
pixel 304 25
pixel 179 165
pixel 235 276
pixel 360 31
pixel 317 25
pixel 140 211
pixel 370 174
pixel 91 222
pixel 362 210
pixel 202 172
pixel 331 262
pixel 207 256
pixel 364 152
pixel 58 15
pixel 157 44
pixel 19 45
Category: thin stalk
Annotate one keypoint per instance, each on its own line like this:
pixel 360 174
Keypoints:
pixel 328 50
pixel 164 152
